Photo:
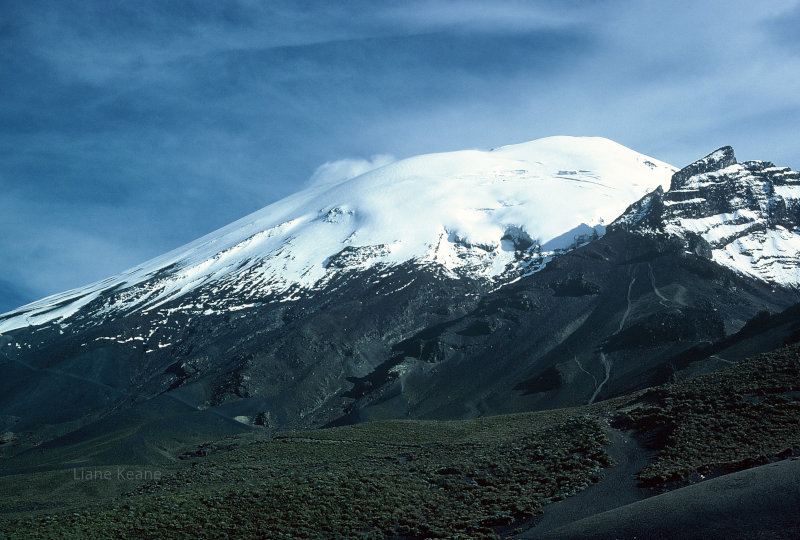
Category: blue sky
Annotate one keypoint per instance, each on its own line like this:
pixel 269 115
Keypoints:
pixel 130 128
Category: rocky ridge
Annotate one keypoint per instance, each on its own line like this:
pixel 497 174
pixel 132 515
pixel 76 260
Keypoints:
pixel 744 216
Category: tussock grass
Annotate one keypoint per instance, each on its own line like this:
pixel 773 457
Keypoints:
pixel 403 478
pixel 469 479
pixel 733 419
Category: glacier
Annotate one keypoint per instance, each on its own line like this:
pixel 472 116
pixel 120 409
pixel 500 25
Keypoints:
pixel 492 215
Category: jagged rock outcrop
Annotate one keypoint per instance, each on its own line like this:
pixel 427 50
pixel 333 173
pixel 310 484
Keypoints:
pixel 743 215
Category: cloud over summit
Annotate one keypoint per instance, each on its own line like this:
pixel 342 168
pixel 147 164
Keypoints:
pixel 331 173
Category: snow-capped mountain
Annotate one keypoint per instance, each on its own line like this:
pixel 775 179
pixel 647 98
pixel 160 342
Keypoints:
pixel 481 214
pixel 441 286
pixel 744 216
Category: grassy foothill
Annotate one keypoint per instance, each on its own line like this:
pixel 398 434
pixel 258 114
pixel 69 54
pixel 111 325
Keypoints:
pixel 484 477
pixel 734 419
pixel 472 478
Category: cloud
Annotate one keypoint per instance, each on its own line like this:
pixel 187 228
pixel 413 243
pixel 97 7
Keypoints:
pixel 335 172
pixel 505 16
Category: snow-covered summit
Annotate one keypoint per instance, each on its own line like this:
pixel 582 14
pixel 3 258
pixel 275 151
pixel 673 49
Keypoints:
pixel 479 214
pixel 746 214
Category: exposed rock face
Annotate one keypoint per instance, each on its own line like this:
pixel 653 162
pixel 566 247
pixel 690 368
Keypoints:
pixel 742 215
pixel 719 159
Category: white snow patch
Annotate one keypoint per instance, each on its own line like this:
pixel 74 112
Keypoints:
pixel 788 192
pixel 695 200
pixel 450 209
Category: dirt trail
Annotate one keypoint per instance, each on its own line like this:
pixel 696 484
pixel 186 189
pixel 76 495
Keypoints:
pixel 607 366
pixel 584 370
pixel 617 488
pixel 607 362
pixel 628 309
pixel 661 297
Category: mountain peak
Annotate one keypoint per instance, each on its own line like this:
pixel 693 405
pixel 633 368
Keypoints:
pixel 747 214
pixel 715 161
pixel 484 215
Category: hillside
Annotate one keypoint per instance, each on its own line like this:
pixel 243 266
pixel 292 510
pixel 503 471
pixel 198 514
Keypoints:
pixel 483 477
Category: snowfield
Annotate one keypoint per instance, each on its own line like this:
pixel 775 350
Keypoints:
pixel 483 214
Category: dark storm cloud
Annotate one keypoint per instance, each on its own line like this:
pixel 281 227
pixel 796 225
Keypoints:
pixel 132 127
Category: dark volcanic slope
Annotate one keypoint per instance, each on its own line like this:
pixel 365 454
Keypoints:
pixel 608 318
pixel 756 503
pixel 613 316
pixel 277 363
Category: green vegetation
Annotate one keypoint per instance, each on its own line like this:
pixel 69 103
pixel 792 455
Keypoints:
pixel 723 421
pixel 421 478
pixel 474 478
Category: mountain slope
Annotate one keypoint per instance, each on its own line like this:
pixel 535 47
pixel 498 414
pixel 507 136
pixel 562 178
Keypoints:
pixel 440 306
pixel 471 213
pixel 743 215
pixel 487 477
pixel 623 312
